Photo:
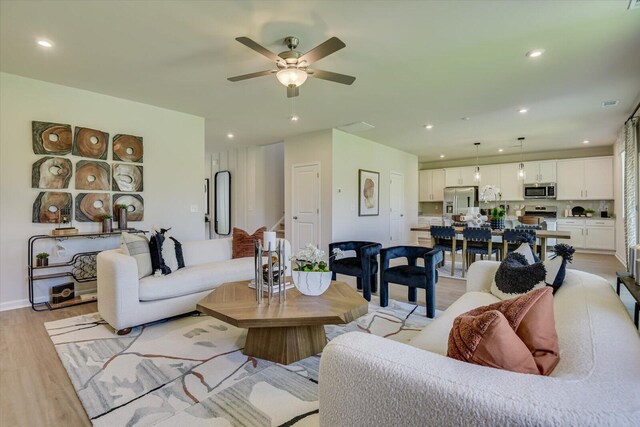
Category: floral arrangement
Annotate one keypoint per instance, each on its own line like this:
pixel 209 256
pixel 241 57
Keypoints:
pixel 310 259
pixel 490 193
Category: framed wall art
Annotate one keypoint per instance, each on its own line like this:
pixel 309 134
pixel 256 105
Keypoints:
pixel 368 193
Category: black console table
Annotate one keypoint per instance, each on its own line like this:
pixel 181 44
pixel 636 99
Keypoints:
pixel 81 268
pixel 630 283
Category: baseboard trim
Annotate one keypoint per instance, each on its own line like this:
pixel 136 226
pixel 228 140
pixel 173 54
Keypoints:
pixel 622 261
pixel 12 305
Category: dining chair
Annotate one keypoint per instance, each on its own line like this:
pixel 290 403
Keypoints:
pixel 363 266
pixel 477 241
pixel 513 238
pixel 444 239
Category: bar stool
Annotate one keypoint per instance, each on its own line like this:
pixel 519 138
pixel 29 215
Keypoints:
pixel 444 238
pixel 481 244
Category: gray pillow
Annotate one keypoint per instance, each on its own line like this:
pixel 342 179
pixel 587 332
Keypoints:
pixel 137 246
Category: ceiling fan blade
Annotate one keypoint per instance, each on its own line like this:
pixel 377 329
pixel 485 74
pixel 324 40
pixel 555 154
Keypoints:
pixel 332 45
pixel 259 48
pixel 293 91
pixel 333 77
pixel 252 75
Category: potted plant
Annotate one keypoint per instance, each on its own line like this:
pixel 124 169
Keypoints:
pixel 106 223
pixel 311 275
pixel 121 212
pixel 589 212
pixel 42 259
pixel 497 218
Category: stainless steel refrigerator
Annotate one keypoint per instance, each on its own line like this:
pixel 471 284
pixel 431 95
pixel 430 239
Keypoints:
pixel 457 200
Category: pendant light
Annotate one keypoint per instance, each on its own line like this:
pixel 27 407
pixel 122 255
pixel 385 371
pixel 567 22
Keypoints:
pixel 522 174
pixel 476 176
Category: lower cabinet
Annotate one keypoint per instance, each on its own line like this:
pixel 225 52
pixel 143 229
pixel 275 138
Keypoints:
pixel 577 236
pixel 589 233
pixel 600 238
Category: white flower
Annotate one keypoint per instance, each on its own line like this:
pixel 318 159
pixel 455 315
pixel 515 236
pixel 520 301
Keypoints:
pixel 490 193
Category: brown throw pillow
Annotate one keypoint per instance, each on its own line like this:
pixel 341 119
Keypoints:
pixel 529 316
pixel 243 242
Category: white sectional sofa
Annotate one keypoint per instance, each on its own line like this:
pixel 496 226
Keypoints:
pixel 366 380
pixel 125 301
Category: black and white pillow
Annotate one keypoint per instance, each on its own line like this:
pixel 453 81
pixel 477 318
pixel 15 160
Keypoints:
pixel 166 252
pixel 518 275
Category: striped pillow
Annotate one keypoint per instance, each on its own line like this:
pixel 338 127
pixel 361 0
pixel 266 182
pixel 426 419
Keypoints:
pixel 138 247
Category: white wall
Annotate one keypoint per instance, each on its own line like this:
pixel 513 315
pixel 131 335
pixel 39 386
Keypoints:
pixel 618 192
pixel 351 153
pixel 173 165
pixel 311 148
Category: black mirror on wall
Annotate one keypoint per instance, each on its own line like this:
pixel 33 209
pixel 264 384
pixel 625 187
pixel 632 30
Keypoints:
pixel 222 212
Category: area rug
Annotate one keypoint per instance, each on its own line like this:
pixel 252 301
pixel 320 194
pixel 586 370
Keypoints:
pixel 191 371
pixel 445 270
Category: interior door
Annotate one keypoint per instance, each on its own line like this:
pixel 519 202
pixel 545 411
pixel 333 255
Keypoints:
pixel 397 208
pixel 305 224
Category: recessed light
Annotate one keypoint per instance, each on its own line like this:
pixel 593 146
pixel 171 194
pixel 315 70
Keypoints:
pixel 586 141
pixel 535 53
pixel 230 135
pixel 294 118
pixel 500 150
pixel 44 43
pixel 442 156
pixel 465 118
pixel 522 110
pixel 429 126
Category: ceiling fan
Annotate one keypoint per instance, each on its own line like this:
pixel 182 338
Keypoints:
pixel 292 66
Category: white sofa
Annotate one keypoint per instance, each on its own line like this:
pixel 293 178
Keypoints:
pixel 125 301
pixel 366 380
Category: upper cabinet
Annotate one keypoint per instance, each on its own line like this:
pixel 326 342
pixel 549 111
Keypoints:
pixel 431 186
pixel 510 187
pixel 460 177
pixel 490 175
pixel 537 172
pixel 585 179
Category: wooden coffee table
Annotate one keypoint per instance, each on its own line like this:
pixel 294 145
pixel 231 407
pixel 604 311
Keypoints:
pixel 288 332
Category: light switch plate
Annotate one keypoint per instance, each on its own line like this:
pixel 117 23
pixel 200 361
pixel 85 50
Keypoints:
pixel 194 208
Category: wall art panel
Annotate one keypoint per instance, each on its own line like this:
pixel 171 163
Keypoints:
pixel 91 206
pixel 126 177
pixel 135 205
pixel 90 143
pixel 51 138
pixel 47 206
pixel 128 148
pixel 51 173
pixel 91 175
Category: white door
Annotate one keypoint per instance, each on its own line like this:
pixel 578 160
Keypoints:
pixel 437 185
pixel 305 224
pixel 396 192
pixel 547 171
pixel 424 186
pixel 598 179
pixel 452 177
pixel 510 186
pixel 570 180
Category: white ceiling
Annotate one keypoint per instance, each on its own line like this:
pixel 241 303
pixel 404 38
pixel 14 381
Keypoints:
pixel 415 62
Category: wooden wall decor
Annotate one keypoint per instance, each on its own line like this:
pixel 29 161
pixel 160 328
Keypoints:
pixel 135 204
pixel 51 173
pixel 128 148
pixel 90 143
pixel 126 177
pixel 47 205
pixel 91 206
pixel 92 175
pixel 51 138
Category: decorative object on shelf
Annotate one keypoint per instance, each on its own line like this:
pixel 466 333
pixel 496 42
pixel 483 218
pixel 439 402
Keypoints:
pixel 589 212
pixel 51 173
pixel 65 227
pixel 311 273
pixel 369 196
pixel 90 207
pixel 92 175
pixel 126 177
pixel 522 174
pixel 42 259
pixel 577 211
pixel 134 204
pixel 491 194
pixel 128 148
pixel 476 175
pixel 62 293
pixel 51 138
pixel 106 223
pixel 497 218
pixel 90 143
pixel 270 277
pixel 47 205
pixel 121 211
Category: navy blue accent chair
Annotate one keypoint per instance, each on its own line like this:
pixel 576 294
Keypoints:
pixel 476 241
pixel 512 239
pixel 411 274
pixel 364 266
pixel 445 240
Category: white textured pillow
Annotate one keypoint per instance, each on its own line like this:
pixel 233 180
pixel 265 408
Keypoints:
pixel 169 253
pixel 137 246
pixel 525 250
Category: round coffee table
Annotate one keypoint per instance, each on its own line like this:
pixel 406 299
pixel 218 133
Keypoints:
pixel 284 332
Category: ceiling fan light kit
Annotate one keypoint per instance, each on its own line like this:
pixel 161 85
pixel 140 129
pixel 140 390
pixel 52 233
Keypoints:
pixel 291 66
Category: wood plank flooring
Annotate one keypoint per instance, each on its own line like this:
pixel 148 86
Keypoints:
pixel 36 391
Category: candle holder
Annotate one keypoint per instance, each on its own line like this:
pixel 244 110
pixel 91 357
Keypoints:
pixel 271 274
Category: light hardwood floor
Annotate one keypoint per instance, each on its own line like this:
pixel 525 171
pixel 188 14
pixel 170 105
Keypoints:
pixel 36 391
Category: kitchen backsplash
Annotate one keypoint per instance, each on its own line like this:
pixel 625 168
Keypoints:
pixel 435 208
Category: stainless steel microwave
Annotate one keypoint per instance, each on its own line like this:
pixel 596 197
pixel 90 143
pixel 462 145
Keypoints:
pixel 540 191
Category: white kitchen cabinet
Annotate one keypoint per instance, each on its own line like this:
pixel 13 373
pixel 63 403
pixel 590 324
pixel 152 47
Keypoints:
pixel 537 172
pixel 452 177
pixel 577 236
pixel 600 238
pixel 590 233
pixel 460 177
pixel 489 175
pixel 585 179
pixel 511 188
pixel 431 185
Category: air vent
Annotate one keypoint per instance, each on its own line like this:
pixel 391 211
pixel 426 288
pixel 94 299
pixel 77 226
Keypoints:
pixel 611 103
pixel 356 127
pixel 634 4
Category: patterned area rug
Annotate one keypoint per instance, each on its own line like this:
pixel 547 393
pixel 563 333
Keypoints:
pixel 191 371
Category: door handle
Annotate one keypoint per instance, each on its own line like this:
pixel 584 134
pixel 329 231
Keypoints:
pixel 295 217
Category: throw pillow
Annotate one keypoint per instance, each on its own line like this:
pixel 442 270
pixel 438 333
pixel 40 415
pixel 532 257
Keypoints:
pixel 243 242
pixel 516 276
pixel 563 254
pixel 169 253
pixel 526 250
pixel 155 247
pixel 480 336
pixel 138 247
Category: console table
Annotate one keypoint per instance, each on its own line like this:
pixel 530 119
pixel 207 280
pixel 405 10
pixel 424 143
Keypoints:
pixel 630 283
pixel 81 268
